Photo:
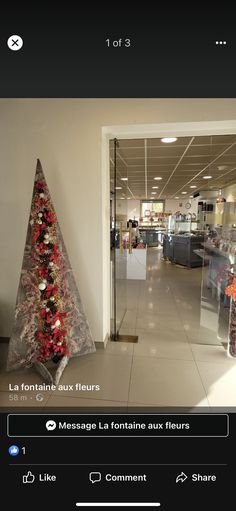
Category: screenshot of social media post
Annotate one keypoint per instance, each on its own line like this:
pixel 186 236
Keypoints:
pixel 118 289
pixel 117 260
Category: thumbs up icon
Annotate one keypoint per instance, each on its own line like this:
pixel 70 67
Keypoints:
pixel 28 478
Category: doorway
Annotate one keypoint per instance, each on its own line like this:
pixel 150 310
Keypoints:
pixel 176 169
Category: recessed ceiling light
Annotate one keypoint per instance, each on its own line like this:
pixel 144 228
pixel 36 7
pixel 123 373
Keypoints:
pixel 118 187
pixel 193 186
pixel 184 193
pixel 128 198
pixel 155 187
pixel 222 167
pixel 123 198
pixel 207 177
pixel 124 179
pixel 176 197
pixel 158 178
pixel 191 196
pixel 168 140
pixel 154 193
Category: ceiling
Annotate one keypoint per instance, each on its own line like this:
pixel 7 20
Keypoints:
pixel 180 164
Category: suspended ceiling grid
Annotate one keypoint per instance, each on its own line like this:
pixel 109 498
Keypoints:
pixel 180 165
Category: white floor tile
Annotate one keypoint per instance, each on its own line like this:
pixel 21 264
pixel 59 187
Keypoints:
pixel 119 348
pixel 70 401
pixel 110 372
pixel 155 305
pixel 203 403
pixel 153 345
pixel 164 334
pixel 153 322
pixel 28 376
pixel 219 381
pixel 129 321
pixel 165 382
pixel 206 353
pixel 127 330
pixel 201 335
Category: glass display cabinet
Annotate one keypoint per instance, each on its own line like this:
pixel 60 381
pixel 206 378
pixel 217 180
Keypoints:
pixel 181 223
pixel 218 302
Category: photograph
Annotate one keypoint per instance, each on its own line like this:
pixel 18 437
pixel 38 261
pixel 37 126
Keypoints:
pixel 118 253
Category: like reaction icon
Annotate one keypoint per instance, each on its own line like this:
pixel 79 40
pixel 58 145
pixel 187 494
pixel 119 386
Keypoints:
pixel 28 478
pixel 13 450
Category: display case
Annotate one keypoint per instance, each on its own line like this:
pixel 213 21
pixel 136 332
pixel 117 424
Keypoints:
pixel 151 237
pixel 181 249
pixel 152 226
pixel 180 223
pixel 154 220
pixel 219 278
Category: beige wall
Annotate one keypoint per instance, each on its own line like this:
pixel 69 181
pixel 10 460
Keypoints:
pixel 130 208
pixel 173 205
pixel 67 135
pixel 229 193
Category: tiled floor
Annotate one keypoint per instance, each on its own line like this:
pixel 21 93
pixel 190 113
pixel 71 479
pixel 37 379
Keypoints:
pixel 173 363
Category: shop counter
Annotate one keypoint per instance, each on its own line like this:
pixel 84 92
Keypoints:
pixel 152 237
pixel 180 249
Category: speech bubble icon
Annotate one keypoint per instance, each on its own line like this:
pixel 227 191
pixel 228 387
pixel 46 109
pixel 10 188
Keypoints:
pixel 95 477
pixel 51 425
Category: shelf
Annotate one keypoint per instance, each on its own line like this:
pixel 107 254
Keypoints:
pixel 217 251
pixel 201 253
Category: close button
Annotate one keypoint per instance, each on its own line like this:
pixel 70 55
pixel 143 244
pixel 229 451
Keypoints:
pixel 15 42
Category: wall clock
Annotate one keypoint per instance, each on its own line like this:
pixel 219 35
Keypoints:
pixel 188 205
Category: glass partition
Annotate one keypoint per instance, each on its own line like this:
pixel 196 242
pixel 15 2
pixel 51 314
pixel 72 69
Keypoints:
pixel 217 325
pixel 118 229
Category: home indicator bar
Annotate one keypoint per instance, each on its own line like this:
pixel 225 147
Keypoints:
pixel 118 504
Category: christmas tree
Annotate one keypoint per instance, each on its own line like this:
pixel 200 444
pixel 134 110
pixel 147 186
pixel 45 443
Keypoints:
pixel 49 322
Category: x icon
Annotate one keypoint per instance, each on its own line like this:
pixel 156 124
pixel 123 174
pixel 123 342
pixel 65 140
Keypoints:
pixel 15 42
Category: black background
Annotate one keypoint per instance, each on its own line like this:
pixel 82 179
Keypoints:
pixel 173 52
pixel 162 459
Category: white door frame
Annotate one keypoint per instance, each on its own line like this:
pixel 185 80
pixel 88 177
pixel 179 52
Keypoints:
pixel 178 129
